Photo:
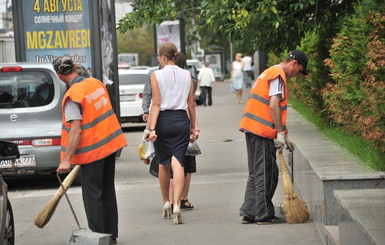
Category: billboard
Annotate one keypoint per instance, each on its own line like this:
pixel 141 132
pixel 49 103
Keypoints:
pixel 55 28
pixel 216 61
pixel 171 31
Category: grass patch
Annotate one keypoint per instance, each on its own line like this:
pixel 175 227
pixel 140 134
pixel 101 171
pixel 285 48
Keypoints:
pixel 360 148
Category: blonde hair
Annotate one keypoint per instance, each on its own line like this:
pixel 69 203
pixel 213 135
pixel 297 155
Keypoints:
pixel 169 50
pixel 238 54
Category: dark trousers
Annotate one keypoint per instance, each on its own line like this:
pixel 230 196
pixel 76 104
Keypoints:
pixel 99 198
pixel 263 178
pixel 206 94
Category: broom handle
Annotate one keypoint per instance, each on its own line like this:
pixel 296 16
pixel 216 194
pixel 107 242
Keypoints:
pixel 291 163
pixel 68 200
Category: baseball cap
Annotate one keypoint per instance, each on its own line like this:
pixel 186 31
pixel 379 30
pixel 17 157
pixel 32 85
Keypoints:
pixel 302 59
pixel 82 71
pixel 63 65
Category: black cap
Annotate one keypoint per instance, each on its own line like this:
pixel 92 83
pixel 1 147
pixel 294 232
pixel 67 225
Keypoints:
pixel 63 65
pixel 302 59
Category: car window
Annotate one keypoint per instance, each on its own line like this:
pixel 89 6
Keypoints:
pixel 126 79
pixel 25 89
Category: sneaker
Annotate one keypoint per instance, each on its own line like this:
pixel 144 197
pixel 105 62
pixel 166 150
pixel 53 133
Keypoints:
pixel 247 220
pixel 271 220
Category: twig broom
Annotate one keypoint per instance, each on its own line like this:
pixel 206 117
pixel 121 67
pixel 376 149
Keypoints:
pixel 294 208
pixel 49 208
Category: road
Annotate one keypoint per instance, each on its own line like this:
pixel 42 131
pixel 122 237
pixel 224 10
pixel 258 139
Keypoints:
pixel 216 191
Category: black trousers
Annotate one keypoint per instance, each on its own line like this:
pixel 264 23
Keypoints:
pixel 263 178
pixel 206 95
pixel 99 198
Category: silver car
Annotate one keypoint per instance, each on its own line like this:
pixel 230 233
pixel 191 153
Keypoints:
pixel 131 85
pixel 30 116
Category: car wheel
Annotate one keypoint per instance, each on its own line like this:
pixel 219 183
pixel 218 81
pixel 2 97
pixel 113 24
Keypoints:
pixel 9 233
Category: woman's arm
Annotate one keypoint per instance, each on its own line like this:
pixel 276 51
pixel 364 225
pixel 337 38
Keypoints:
pixel 194 129
pixel 155 108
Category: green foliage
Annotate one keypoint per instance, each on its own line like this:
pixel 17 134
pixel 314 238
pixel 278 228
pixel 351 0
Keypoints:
pixel 356 97
pixel 139 40
pixel 308 88
pixel 270 25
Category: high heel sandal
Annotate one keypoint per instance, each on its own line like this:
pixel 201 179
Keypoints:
pixel 186 205
pixel 177 216
pixel 166 211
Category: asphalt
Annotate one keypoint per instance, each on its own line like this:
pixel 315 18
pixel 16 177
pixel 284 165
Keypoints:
pixel 216 191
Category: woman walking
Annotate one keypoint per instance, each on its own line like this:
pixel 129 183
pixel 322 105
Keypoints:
pixel 169 125
pixel 236 76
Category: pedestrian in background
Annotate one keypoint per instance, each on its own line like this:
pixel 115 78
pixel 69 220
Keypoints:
pixel 205 79
pixel 91 135
pixel 236 76
pixel 169 125
pixel 248 72
pixel 264 124
pixel 190 161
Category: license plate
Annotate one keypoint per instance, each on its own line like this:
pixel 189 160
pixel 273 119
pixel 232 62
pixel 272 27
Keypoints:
pixel 23 161
pixel 130 97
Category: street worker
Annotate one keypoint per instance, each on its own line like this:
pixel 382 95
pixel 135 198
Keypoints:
pixel 91 135
pixel 264 124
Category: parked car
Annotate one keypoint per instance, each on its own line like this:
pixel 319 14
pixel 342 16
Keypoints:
pixel 9 152
pixel 131 85
pixel 30 116
pixel 198 65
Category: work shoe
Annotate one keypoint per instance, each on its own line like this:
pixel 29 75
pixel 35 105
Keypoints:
pixel 113 241
pixel 271 220
pixel 247 220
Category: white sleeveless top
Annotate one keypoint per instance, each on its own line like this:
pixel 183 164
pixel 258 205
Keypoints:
pixel 174 85
pixel 237 69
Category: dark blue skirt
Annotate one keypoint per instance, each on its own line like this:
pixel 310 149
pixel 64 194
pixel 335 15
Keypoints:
pixel 173 131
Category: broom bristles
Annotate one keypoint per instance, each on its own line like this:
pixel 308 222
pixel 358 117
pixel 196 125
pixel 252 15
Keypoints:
pixel 294 208
pixel 49 208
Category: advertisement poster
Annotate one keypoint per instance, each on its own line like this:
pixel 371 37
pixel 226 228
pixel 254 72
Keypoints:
pixel 169 31
pixel 216 63
pixel 57 28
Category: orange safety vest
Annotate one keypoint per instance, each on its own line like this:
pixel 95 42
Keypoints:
pixel 256 118
pixel 101 132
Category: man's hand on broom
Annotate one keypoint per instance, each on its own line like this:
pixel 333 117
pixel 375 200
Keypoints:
pixel 279 142
pixel 289 144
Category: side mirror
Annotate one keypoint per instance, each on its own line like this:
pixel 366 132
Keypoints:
pixel 9 151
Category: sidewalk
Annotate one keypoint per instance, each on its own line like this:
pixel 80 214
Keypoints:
pixel 217 191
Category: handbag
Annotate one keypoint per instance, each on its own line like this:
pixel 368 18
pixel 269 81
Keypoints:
pixel 154 166
pixel 198 92
pixel 232 89
pixel 146 149
pixel 193 149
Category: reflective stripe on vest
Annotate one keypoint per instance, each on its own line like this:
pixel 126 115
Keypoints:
pixel 256 118
pixel 101 132
pixel 265 101
pixel 261 120
pixel 101 143
pixel 93 123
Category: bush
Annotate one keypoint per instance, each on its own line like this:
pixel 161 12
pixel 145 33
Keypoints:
pixel 356 97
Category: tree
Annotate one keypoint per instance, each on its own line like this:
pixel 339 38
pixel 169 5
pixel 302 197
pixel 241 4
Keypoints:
pixel 138 40
pixel 270 25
